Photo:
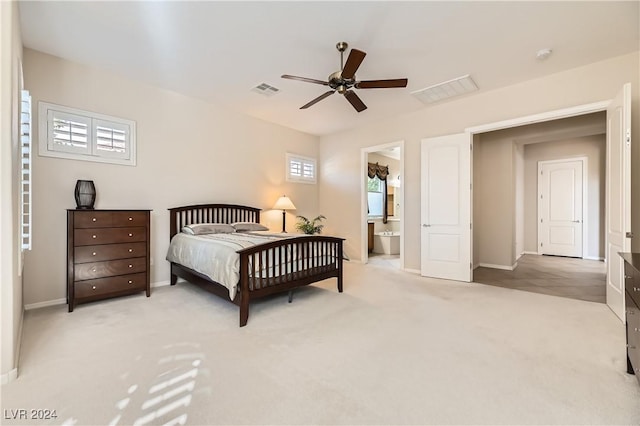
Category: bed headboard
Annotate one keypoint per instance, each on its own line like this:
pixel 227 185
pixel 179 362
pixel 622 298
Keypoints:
pixel 210 213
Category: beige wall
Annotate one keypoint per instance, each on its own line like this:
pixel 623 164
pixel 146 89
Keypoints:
pixel 10 275
pixel 592 147
pixel 494 200
pixel 189 151
pixel 340 153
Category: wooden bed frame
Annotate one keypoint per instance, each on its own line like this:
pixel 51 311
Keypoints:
pixel 302 270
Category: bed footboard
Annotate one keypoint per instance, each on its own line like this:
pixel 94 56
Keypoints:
pixel 286 264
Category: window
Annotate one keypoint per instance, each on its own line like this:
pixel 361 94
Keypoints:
pixel 301 169
pixel 375 196
pixel 82 135
pixel 25 171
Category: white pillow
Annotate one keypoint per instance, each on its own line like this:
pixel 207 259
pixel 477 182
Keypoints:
pixel 208 228
pixel 248 226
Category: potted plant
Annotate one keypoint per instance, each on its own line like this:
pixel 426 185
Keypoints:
pixel 310 227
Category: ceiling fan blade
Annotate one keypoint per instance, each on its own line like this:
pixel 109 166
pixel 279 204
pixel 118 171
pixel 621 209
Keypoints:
pixel 355 100
pixel 353 62
pixel 318 99
pixel 305 79
pixel 381 84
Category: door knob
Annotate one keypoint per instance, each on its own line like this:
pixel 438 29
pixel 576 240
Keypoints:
pixel 576 221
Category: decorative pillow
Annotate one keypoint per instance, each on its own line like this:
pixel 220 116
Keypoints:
pixel 248 226
pixel 208 228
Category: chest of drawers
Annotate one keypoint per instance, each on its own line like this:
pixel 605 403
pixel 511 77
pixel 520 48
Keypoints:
pixel 632 304
pixel 107 254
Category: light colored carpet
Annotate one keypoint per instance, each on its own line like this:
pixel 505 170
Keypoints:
pixel 394 348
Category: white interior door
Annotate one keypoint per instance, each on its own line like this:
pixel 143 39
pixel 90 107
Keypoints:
pixel 446 207
pixel 560 215
pixel 618 196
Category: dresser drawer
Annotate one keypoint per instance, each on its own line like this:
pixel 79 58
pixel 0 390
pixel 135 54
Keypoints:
pixel 632 283
pixel 633 334
pixel 86 237
pixel 84 254
pixel 93 219
pixel 130 218
pixel 109 218
pixel 92 270
pixel 104 286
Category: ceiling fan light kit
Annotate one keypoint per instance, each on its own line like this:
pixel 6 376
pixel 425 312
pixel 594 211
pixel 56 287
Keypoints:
pixel 344 81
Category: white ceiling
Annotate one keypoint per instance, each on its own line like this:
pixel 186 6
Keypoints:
pixel 218 51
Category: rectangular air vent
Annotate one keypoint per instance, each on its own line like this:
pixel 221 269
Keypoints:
pixel 265 89
pixel 448 89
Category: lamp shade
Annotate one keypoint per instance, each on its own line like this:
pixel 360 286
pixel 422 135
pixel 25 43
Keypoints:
pixel 284 203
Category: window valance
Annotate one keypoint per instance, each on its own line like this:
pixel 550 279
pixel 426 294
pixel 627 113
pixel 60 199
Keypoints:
pixel 377 170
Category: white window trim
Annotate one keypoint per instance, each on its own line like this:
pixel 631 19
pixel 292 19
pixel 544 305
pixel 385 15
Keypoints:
pixel 45 147
pixel 300 179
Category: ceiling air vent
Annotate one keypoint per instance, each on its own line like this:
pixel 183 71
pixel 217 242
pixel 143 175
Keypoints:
pixel 448 89
pixel 265 89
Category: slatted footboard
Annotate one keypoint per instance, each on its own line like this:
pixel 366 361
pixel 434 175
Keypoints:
pixel 286 264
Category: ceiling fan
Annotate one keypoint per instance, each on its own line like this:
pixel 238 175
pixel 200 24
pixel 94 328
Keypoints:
pixel 344 80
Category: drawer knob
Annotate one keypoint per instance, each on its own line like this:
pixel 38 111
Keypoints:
pixel 93 287
pixel 130 218
pixel 130 282
pixel 93 254
pixel 130 234
pixel 628 277
pixel 131 266
pixel 130 250
pixel 94 219
pixel 94 236
pixel 93 270
pixel 636 289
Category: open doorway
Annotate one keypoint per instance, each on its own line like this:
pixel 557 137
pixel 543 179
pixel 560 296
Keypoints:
pixel 540 190
pixel 458 245
pixel 383 204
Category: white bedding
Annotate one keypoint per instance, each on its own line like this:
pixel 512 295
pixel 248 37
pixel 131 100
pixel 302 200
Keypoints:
pixel 215 255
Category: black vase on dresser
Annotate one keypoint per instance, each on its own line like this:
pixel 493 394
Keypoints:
pixel 85 194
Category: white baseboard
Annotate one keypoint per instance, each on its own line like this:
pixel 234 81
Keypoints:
pixel 412 271
pixel 13 374
pixel 503 267
pixel 39 305
pixel 530 252
pixel 161 283
pixel 601 259
pixel 9 377
pixel 55 302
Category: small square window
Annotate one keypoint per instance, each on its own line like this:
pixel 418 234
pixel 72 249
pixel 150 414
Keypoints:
pixel 300 169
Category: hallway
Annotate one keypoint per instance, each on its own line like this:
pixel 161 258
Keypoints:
pixel 557 276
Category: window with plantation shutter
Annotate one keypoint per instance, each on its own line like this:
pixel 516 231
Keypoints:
pixel 25 170
pixel 300 169
pixel 83 135
pixel 68 132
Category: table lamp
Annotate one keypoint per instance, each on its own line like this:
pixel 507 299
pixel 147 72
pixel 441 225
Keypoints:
pixel 284 204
